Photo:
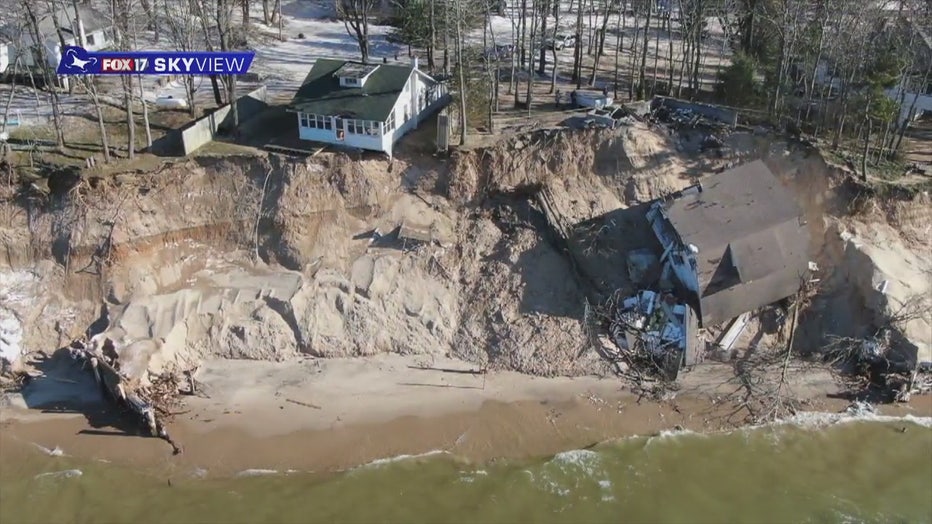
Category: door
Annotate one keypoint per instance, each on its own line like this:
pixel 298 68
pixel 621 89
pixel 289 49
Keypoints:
pixel 338 128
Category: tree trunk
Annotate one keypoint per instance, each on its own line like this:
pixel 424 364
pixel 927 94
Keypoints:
pixel 632 64
pixel 446 40
pixel 101 125
pixel 600 45
pixel 432 28
pixel 577 50
pixel 542 66
pixel 530 70
pixel 245 5
pixel 670 54
pixel 130 119
pixel 488 63
pixel 461 67
pixel 643 65
pixel 265 13
pixel 653 82
pixel 553 51
pixel 619 42
pixel 523 58
pixel 9 99
pixel 48 77
pixel 867 141
pixel 142 100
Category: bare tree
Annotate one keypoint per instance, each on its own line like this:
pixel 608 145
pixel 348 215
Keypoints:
pixel 577 49
pixel 88 81
pixel 224 23
pixel 142 99
pixel 41 59
pixel 608 7
pixel 643 65
pixel 355 15
pixel 120 10
pixel 461 67
pixel 182 26
pixel 553 49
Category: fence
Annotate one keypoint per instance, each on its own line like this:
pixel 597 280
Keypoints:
pixel 202 131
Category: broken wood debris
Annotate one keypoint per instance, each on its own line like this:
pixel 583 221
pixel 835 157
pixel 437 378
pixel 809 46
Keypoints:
pixel 305 404
pixel 115 386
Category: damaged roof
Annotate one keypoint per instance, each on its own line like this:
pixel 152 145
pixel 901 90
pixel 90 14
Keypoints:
pixel 321 93
pixel 747 229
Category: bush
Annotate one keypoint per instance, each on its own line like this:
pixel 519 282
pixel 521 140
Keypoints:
pixel 737 84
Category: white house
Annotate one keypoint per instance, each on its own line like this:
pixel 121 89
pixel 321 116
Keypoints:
pixel 367 106
pixel 93 31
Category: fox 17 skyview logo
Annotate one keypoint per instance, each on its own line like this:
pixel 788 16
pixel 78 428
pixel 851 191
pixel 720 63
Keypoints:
pixel 79 61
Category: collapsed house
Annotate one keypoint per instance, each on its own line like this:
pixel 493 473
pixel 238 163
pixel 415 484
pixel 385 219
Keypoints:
pixel 731 244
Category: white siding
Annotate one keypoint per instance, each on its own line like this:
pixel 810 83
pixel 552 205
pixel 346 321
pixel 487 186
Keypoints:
pixel 414 98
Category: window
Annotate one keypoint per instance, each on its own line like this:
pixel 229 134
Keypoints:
pixel 315 121
pixel 362 127
pixel 407 113
pixel 390 123
pixel 90 39
pixel 354 127
pixel 350 82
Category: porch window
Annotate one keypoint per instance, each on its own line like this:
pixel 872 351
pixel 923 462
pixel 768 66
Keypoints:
pixel 316 121
pixel 303 120
pixel 362 127
pixel 90 39
pixel 390 123
pixel 354 127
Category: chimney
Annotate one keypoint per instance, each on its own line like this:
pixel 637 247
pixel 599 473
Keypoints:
pixel 415 61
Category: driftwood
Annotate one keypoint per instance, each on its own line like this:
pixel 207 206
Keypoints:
pixel 305 404
pixel 117 388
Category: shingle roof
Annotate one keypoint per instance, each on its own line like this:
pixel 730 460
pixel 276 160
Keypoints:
pixel 746 227
pixel 321 94
pixel 731 205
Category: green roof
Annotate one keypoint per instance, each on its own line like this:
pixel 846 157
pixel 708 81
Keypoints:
pixel 321 94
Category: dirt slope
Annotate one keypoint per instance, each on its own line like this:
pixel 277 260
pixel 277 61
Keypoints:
pixel 270 258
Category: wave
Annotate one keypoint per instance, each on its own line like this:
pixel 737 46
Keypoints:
pixel 399 458
pixel 256 472
pixel 64 474
pixel 817 419
pixel 52 452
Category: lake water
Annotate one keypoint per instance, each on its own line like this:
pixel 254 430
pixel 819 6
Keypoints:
pixel 848 472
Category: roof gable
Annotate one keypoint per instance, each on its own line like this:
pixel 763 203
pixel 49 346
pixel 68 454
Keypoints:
pixel 321 93
pixel 732 205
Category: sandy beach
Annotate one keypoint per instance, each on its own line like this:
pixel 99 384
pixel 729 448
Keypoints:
pixel 330 415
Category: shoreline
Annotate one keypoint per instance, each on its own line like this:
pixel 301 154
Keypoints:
pixel 351 412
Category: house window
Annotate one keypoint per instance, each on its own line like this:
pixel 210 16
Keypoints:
pixel 407 113
pixel 90 39
pixel 354 127
pixel 315 121
pixel 390 123
pixel 350 81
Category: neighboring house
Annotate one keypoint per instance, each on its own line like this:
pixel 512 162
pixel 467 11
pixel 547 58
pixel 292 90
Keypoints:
pixel 94 30
pixel 735 242
pixel 367 106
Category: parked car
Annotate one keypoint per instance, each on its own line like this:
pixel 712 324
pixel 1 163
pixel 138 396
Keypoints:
pixel 560 41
